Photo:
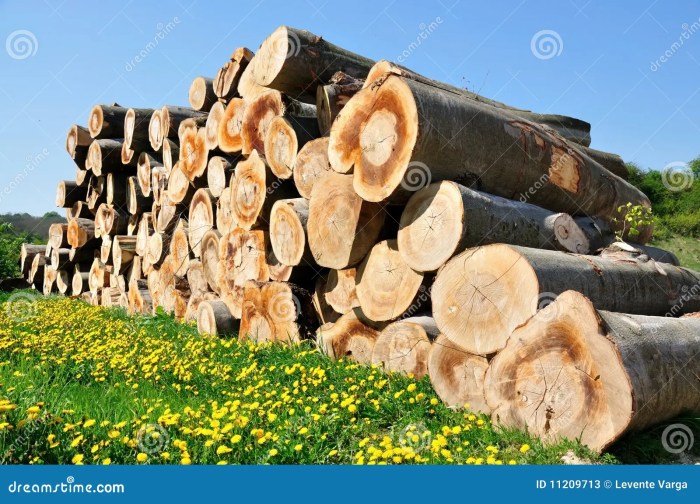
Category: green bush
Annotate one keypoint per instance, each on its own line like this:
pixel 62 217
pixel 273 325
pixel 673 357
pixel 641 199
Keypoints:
pixel 10 245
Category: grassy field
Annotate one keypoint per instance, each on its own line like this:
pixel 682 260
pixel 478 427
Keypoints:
pixel 86 385
pixel 686 248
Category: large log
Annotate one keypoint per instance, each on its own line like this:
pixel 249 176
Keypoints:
pixel 350 337
pixel 284 137
pixel 288 220
pixel 458 375
pixel 241 258
pixel 276 311
pixel 481 295
pixel 578 373
pixel 445 218
pixel 214 318
pixel 415 128
pixel 404 346
pixel 311 164
pixel 296 62
pixel 107 121
pixel 342 227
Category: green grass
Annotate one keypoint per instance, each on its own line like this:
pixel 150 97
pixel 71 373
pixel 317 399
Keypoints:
pixel 686 248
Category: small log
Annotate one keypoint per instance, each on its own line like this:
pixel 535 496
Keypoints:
pixel 180 188
pixel 146 163
pixel 49 286
pixel 78 140
pixel 339 290
pixel 110 220
pixel 144 231
pixel 117 186
pixel 195 276
pixel 482 295
pixel 209 254
pixel 106 251
pixel 123 252
pixel 60 258
pixel 58 235
pixel 331 98
pixel 241 258
pixel 288 220
pixel 107 121
pixel 82 176
pixel 159 181
pixel 68 193
pixel 79 210
pixel 215 319
pixel 276 311
pixel 324 312
pixel 136 201
pixel 105 156
pixel 135 272
pixel 202 218
pixel 98 276
pixel 136 125
pixel 227 78
pixel 201 94
pixel 193 152
pixel 574 372
pixel 166 122
pixel 311 164
pixel 157 250
pixel 296 62
pixel 445 218
pixel 180 249
pixel 211 128
pixel 225 221
pixel 219 172
pixel 139 298
pixel 342 228
pixel 80 232
pixel 404 346
pixel 79 281
pixel 36 272
pixel 171 154
pixel 230 127
pixel 458 375
pixel 348 338
pixel 283 139
pixel 26 256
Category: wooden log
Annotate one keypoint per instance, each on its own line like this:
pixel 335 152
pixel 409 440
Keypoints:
pixel 194 153
pixel 641 253
pixel 68 193
pixel 166 121
pixel 171 154
pixel 324 312
pixel 81 176
pixel 209 254
pixel 339 290
pixel 98 276
pixel 230 126
pixel 60 258
pixel 211 128
pixel 110 220
pixel 26 257
pixel 146 163
pixel 552 174
pixel 202 218
pixel 79 210
pixel 85 254
pixel 311 164
pixel 348 338
pixel 79 281
pixel 332 97
pixel 36 272
pixel 219 172
pixel 78 140
pixel 58 235
pixel 136 201
pixel 117 186
pixel 135 271
pixel 578 373
pixel 241 258
pixel 49 286
pixel 201 94
pixel 123 252
pixel 155 130
pixel 105 156
pixel 157 250
pixel 195 277
pixel 481 295
pixel 80 232
pixel 296 62
pixel 97 193
pixel 180 248
pixel 136 122
pixel 386 286
pixel 445 218
pixel 139 298
pixel 342 227
pixel 144 231
pixel 159 183
pixel 155 293
pixel 404 346
pixel 225 221
pixel 276 311
pixel 197 298
pixel 227 78
pixel 572 129
pixel 257 116
pixel 283 139
pixel 458 375
pixel 214 318
pixel 107 121
pixel 110 296
pixel 106 251
pixel 180 188
pixel 288 220
pixel 611 162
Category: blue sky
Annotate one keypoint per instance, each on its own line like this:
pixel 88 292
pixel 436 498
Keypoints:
pixel 596 60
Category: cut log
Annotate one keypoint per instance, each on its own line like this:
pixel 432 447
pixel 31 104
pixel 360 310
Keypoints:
pixel 110 220
pixel 146 163
pixel 296 62
pixel 49 286
pixel 60 258
pixel 577 373
pixel 288 220
pixel 201 95
pixel 193 303
pixel 572 129
pixel 180 188
pixel 106 251
pixel 276 311
pixel 311 164
pixel 202 218
pixel 227 78
pixel 404 346
pixel 80 232
pixel 79 281
pixel 230 127
pixel 144 231
pixel 225 222
pixel 387 287
pixel 348 338
pixel 78 140
pixel 135 271
pixel 481 295
pixel 331 98
pixel 339 291
pixel 97 193
pixel 158 247
pixel 82 176
pixel 194 154
pixel 136 201
pixel 26 256
pixel 458 375
pixel 241 258
pixel 105 156
pixel 195 276
pixel 342 228
pixel 171 154
pixel 79 210
pixel 123 252
pixel 117 186
pixel 180 249
pixel 107 121
pixel 210 258
pixel 211 128
pixel 215 319
pixel 68 193
pixel 283 139
pixel 139 298
pixel 324 312
pixel 155 133
pixel 445 218
pixel 555 175
pixel 219 171
pixel 257 116
pixel 136 123
pixel 58 235
pixel 166 122
pixel 98 277
pixel 36 272
pixel 86 253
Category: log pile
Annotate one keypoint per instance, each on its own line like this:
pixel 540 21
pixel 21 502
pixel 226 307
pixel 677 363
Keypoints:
pixel 309 192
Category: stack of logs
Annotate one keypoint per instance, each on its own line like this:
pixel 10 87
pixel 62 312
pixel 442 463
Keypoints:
pixel 311 192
